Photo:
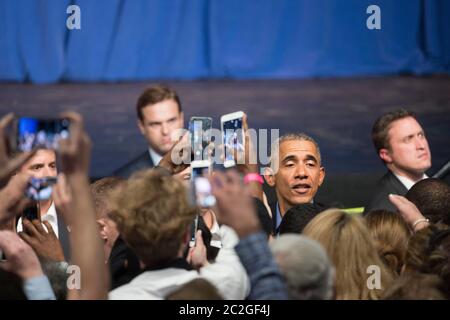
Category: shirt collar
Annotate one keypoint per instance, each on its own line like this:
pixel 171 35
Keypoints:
pixel 215 226
pixel 407 182
pixel 51 214
pixel 156 158
pixel 278 217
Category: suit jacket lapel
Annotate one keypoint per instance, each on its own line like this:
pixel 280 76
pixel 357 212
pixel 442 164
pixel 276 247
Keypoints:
pixel 64 237
pixel 396 184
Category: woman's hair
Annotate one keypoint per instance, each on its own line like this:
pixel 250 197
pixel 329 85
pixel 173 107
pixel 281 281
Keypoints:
pixel 429 253
pixel 391 235
pixel 415 286
pixel 352 250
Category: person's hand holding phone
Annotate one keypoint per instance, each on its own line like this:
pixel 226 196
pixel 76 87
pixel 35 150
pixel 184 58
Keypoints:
pixel 197 256
pixel 9 164
pixel 44 242
pixel 179 156
pixel 12 198
pixel 246 162
pixel 75 152
pixel 20 257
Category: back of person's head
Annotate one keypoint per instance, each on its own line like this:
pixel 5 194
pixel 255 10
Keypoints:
pixel 415 286
pixel 153 215
pixel 57 275
pixel 11 286
pixel 305 266
pixel 352 251
pixel 391 235
pixel 297 217
pixel 429 252
pixel 419 248
pixel 101 191
pixel 432 198
pixel 197 289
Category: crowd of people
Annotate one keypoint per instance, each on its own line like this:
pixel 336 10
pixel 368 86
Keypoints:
pixel 137 235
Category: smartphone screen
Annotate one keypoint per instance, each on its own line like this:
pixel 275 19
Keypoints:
pixel 202 188
pixel 40 189
pixel 32 212
pixel 35 133
pixel 200 130
pixel 199 172
pixel 203 193
pixel 233 139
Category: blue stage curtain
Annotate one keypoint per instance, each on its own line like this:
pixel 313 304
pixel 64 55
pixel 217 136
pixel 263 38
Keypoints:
pixel 124 40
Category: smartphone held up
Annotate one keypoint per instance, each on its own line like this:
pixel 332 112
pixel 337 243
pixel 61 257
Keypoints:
pixel 233 137
pixel 200 136
pixel 200 184
pixel 36 133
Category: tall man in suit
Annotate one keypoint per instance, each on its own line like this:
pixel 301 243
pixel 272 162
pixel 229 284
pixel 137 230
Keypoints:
pixel 159 114
pixel 401 144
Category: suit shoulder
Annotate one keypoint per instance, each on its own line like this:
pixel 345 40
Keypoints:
pixel 388 184
pixel 142 161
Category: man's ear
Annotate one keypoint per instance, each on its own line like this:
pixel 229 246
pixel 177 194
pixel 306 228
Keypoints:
pixel 385 155
pixel 269 177
pixel 141 126
pixel 321 175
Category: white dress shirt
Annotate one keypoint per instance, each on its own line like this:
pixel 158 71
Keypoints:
pixel 216 233
pixel 407 182
pixel 227 274
pixel 50 216
pixel 156 158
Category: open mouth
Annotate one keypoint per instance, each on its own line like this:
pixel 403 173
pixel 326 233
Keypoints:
pixel 301 188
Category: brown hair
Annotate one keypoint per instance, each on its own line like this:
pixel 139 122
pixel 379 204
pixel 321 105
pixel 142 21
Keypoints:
pixel 391 235
pixel 101 191
pixel 154 95
pixel 415 286
pixel 153 214
pixel 432 197
pixel 429 252
pixel 380 130
pixel 352 250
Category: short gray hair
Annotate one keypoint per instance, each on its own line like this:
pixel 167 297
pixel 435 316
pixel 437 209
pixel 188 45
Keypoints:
pixel 305 266
pixel 275 150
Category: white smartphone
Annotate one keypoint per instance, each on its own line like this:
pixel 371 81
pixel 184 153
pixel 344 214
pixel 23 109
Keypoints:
pixel 201 186
pixel 200 131
pixel 232 136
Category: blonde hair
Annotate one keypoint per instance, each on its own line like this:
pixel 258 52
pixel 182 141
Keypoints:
pixel 153 213
pixel 391 235
pixel 352 250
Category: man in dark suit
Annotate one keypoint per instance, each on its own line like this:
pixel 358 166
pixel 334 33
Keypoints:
pixel 296 173
pixel 159 114
pixel 401 144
